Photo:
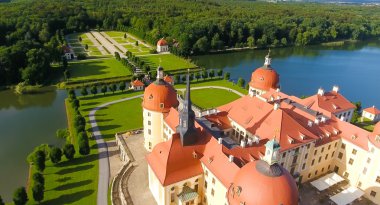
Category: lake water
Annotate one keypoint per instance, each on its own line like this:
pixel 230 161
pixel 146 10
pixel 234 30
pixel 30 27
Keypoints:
pixel 30 120
pixel 355 68
pixel 25 122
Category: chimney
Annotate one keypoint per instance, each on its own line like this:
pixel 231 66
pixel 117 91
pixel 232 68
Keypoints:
pixel 220 140
pixel 336 88
pixel 316 121
pixel 231 158
pixel 321 92
pixel 342 118
pixel 276 106
pixel 242 143
pixel 278 90
pixel 310 123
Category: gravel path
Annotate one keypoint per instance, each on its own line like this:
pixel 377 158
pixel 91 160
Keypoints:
pixel 104 167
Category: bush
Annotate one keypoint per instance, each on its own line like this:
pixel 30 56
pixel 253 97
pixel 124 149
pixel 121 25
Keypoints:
pixel 1 201
pixel 69 151
pixel 84 91
pixel 81 56
pixel 39 160
pixel 79 121
pixel 84 147
pixel 38 192
pixel 75 104
pixel 55 155
pixel 241 82
pixel 20 196
pixel 62 133
pixel 38 178
pixel 72 94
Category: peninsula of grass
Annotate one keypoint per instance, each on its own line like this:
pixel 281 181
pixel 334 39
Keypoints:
pixel 169 62
pixel 212 97
pixel 93 70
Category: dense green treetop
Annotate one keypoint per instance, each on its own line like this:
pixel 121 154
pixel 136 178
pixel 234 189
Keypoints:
pixel 37 27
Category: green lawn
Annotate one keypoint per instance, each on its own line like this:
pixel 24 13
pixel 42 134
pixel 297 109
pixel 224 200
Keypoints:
pixel 212 98
pixel 115 33
pixel 97 69
pixel 168 62
pixel 366 124
pixel 215 82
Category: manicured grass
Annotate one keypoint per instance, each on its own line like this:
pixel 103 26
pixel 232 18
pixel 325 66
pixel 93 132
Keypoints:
pixel 168 62
pixel 115 33
pixel 116 117
pixel 366 124
pixel 212 98
pixel 97 69
pixel 214 82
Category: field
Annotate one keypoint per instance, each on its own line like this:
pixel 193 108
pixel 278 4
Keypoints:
pixel 169 62
pixel 212 98
pixel 97 69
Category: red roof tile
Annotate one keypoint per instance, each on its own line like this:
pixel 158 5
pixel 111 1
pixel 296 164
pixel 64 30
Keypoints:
pixel 137 83
pixel 168 79
pixel 372 110
pixel 332 102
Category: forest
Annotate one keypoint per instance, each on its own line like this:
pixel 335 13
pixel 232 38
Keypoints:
pixel 32 31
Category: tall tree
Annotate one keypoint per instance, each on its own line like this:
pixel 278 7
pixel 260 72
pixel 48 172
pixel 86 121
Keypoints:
pixel 38 192
pixel 241 82
pixel 69 151
pixel 94 90
pixel 122 86
pixel 55 155
pixel 104 89
pixel 84 91
pixel 20 196
pixel 39 160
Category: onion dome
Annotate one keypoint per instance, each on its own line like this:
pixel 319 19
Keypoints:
pixel 265 78
pixel 162 42
pixel 258 183
pixel 160 96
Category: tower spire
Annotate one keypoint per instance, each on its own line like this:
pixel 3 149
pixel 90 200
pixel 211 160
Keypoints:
pixel 268 60
pixel 186 127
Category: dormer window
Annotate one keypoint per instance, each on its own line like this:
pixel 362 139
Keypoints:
pixel 150 97
pixel 302 136
pixel 354 137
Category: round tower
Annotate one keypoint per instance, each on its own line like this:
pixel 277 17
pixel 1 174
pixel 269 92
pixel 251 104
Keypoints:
pixel 264 78
pixel 159 98
pixel 263 182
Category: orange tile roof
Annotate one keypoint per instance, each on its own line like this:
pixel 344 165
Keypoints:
pixel 168 79
pixel 264 78
pixel 172 163
pixel 330 102
pixel 220 120
pixel 372 110
pixel 162 42
pixel 137 83
pixel 172 119
pixel 160 96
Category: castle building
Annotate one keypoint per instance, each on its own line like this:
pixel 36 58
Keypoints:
pixel 162 46
pixel 253 150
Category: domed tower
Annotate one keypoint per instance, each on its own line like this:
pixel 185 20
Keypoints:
pixel 264 78
pixel 159 97
pixel 263 182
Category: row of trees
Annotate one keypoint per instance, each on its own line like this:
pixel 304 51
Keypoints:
pixel 204 74
pixel 94 90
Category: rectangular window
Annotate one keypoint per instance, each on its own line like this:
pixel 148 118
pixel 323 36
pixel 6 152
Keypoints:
pixel 332 155
pixel 148 114
pixel 292 170
pixel 329 167
pixel 346 175
pixel 212 192
pixel 327 155
pixel 306 156
pixel 206 173
pixel 343 146
pixel 308 176
pixel 149 131
pixel 369 160
pixel 312 162
pixel 373 194
pixel 336 144
pixel 205 184
pixel 213 180
pixel 149 123
pixel 323 149
pixel 365 171
pixel 308 146
pixel 378 179
pixel 295 159
pixel 351 161
pixel 161 105
pixel 319 160
pixel 340 155
pixel 316 172
pixel 329 147
pixel 172 195
pixel 354 151
pixel 323 169
pixel 303 166
pixel 315 152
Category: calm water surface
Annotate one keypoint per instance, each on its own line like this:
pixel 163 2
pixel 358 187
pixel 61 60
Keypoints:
pixel 25 122
pixel 354 68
